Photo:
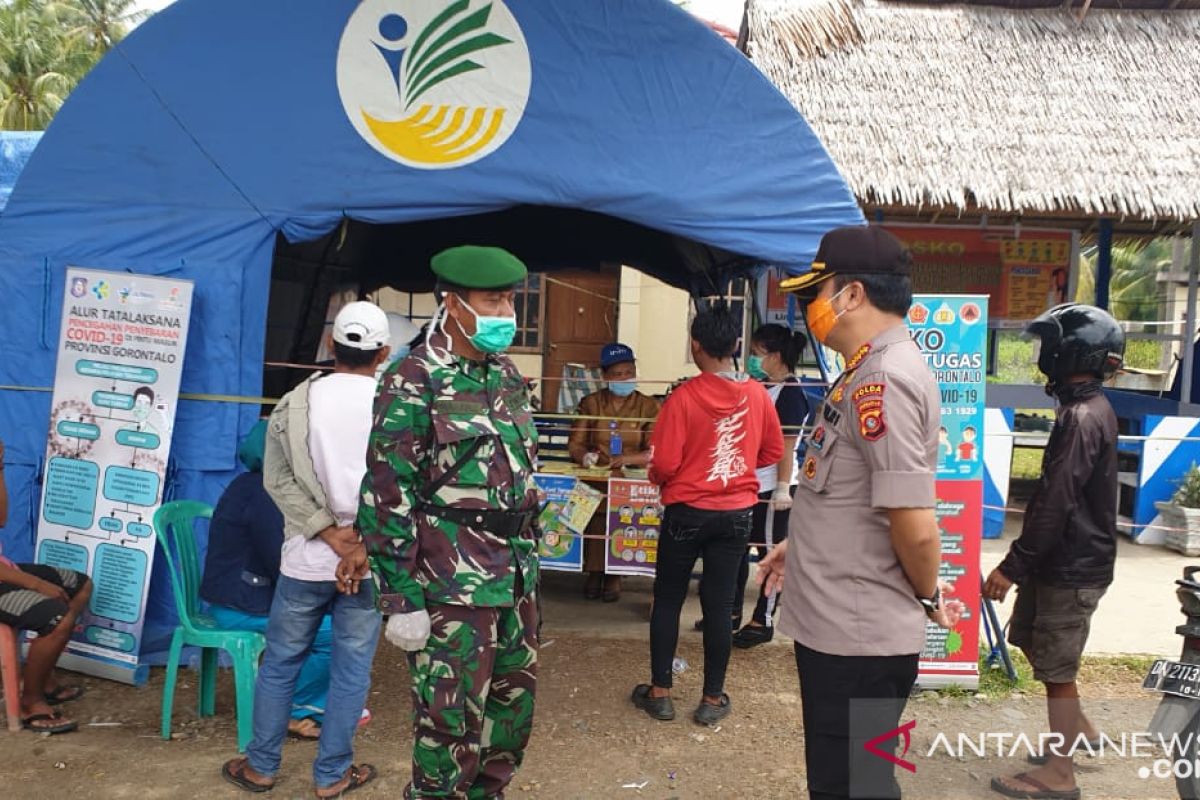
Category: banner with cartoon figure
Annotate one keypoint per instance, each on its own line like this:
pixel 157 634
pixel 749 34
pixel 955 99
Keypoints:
pixel 951 331
pixel 116 389
pixel 560 548
pixel 634 521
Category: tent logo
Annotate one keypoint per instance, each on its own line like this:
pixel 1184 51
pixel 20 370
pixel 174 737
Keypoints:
pixel 434 84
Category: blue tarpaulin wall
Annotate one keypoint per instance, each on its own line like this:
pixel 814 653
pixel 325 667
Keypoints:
pixel 218 124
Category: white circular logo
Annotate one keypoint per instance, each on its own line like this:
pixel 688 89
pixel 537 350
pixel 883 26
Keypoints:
pixel 434 84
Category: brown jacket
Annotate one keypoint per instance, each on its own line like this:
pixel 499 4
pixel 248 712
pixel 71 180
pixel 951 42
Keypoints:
pixel 592 434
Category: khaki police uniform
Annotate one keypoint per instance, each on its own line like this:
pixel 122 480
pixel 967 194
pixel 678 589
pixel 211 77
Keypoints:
pixel 872 447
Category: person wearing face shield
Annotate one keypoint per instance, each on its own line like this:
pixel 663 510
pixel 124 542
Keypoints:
pixel 859 569
pixel 603 416
pixel 448 512
pixel 1062 563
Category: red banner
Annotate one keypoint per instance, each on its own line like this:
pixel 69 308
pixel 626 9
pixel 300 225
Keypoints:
pixel 955 653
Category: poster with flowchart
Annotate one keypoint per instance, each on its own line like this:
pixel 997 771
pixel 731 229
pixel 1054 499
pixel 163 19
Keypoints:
pixel 116 390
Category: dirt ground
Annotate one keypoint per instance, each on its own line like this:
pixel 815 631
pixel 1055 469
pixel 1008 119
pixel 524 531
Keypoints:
pixel 589 741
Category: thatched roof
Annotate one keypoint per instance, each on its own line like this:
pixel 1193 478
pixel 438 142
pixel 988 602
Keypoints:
pixel 964 108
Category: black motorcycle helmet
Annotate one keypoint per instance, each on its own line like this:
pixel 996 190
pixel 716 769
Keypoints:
pixel 1077 340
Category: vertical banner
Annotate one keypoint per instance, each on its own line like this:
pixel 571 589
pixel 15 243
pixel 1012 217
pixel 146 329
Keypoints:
pixel 560 548
pixel 116 389
pixel 634 521
pixel 951 331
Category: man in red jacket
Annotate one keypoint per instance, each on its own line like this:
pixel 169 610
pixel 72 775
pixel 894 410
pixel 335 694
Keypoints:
pixel 712 434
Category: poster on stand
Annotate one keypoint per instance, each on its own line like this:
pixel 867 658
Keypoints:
pixel 634 521
pixel 951 331
pixel 560 548
pixel 116 390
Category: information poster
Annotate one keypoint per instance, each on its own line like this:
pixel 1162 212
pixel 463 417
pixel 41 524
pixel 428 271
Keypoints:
pixel 952 334
pixel 560 548
pixel 116 389
pixel 634 521
pixel 1023 274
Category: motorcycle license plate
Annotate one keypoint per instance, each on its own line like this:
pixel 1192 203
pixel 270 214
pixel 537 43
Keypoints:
pixel 1172 677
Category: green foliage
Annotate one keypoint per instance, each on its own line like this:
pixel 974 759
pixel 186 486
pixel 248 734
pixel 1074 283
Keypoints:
pixel 1188 493
pixel 47 46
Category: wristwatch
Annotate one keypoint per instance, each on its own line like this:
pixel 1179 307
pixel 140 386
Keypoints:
pixel 931 603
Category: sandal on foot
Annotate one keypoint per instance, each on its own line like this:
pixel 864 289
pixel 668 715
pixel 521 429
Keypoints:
pixel 710 714
pixel 305 730
pixel 234 771
pixel 660 708
pixel 60 723
pixel 1040 790
pixel 1041 759
pixel 753 635
pixel 63 694
pixel 358 776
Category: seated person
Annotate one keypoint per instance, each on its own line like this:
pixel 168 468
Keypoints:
pixel 240 570
pixel 45 600
pixel 590 445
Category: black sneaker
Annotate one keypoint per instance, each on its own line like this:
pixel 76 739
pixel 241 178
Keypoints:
pixel 753 635
pixel 660 708
pixel 709 714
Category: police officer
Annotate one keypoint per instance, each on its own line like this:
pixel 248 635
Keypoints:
pixel 447 515
pixel 863 547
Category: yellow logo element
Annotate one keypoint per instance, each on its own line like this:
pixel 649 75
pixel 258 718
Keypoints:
pixel 434 84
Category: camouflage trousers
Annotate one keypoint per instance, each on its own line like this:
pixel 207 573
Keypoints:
pixel 473 690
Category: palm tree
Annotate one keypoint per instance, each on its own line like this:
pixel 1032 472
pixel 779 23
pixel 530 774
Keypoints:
pixel 95 26
pixel 34 80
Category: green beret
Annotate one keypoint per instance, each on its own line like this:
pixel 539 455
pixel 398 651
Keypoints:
pixel 474 267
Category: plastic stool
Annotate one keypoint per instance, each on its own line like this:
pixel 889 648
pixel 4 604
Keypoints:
pixel 10 670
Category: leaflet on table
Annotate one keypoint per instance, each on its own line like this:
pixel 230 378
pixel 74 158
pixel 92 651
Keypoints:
pixel 634 520
pixel 559 549
pixel 116 390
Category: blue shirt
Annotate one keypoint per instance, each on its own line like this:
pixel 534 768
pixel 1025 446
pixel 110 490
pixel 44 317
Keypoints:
pixel 244 543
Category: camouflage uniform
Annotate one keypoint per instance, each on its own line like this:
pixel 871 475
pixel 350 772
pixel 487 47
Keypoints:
pixel 473 684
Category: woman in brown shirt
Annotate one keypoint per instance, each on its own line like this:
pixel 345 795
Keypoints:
pixel 623 412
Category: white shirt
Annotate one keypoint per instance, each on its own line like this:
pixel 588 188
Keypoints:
pixel 339 424
pixel 768 476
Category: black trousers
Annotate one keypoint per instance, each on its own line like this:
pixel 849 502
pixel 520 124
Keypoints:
pixel 768 537
pixel 688 533
pixel 849 700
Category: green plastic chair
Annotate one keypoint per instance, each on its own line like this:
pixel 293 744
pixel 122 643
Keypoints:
pixel 173 524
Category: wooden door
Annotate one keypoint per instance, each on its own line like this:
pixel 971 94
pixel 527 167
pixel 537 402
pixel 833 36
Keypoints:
pixel 581 317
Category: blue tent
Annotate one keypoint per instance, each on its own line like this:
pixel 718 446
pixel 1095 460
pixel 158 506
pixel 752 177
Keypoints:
pixel 573 132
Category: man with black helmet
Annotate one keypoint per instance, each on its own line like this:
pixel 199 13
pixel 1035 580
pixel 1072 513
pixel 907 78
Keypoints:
pixel 1063 561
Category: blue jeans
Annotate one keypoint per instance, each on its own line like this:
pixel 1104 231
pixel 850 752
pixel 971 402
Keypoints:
pixel 296 614
pixel 313 683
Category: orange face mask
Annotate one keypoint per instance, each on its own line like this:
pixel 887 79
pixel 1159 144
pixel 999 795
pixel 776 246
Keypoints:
pixel 821 316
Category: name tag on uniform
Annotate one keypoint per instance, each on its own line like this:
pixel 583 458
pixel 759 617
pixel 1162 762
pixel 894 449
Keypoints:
pixel 831 414
pixel 459 407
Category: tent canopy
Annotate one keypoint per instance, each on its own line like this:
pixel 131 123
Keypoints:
pixel 574 132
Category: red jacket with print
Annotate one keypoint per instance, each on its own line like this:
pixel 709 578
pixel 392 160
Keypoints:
pixel 711 436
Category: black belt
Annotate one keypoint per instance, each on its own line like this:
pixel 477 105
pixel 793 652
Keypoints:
pixel 505 524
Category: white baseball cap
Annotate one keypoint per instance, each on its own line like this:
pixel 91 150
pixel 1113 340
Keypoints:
pixel 361 325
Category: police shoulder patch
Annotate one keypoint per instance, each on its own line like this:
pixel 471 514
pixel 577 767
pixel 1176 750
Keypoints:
pixel 810 468
pixel 868 405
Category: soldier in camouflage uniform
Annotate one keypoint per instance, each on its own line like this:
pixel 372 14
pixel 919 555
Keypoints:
pixel 448 511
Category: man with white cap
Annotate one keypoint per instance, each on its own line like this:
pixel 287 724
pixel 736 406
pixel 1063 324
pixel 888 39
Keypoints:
pixel 313 467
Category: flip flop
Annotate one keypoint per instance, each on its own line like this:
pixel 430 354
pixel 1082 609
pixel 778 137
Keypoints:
pixel 359 774
pixel 1040 791
pixel 63 694
pixel 304 737
pixel 63 725
pixel 234 771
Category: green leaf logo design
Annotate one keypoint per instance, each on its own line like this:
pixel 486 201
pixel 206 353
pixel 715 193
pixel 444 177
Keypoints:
pixel 954 642
pixel 441 50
